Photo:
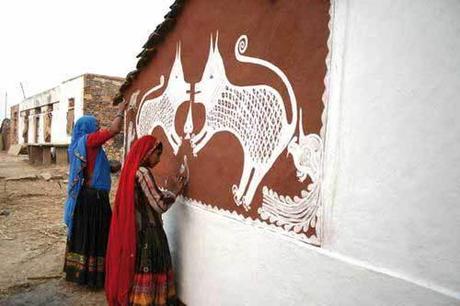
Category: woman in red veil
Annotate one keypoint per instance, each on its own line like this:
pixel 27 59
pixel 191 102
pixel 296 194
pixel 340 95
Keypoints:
pixel 138 268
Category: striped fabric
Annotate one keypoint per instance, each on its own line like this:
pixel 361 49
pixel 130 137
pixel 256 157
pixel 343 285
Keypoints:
pixel 163 295
pixel 81 263
pixel 153 282
pixel 159 201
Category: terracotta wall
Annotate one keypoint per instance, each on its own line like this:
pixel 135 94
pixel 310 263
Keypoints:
pixel 283 38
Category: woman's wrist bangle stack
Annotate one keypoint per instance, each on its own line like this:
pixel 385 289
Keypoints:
pixel 120 114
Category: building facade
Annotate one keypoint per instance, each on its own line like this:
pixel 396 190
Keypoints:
pixel 49 117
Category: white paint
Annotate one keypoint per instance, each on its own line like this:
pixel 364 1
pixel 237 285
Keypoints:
pixel 280 228
pixel 390 188
pixel 161 111
pixel 188 126
pixel 21 117
pixel 302 212
pixel 306 151
pixel 255 115
pixel 59 97
pixel 297 214
pixel 395 196
pixel 249 266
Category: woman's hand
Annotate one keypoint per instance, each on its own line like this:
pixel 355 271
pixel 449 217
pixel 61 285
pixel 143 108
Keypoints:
pixel 116 126
pixel 176 184
pixel 182 181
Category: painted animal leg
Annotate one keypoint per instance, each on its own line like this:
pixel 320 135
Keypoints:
pixel 253 184
pixel 238 191
pixel 177 139
pixel 196 138
pixel 197 147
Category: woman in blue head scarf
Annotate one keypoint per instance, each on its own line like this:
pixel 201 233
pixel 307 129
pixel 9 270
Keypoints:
pixel 87 211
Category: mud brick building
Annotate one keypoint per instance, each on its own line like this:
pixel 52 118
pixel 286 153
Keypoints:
pixel 44 121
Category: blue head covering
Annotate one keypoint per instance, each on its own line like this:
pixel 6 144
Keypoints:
pixel 84 125
pixel 77 160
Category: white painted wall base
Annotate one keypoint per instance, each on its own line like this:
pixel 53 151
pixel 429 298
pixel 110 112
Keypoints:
pixel 220 261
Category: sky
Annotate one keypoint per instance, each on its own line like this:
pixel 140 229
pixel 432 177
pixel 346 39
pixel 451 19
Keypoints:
pixel 43 43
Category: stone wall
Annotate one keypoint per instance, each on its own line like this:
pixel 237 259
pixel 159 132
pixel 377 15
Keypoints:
pixel 5 134
pixel 99 92
pixel 14 115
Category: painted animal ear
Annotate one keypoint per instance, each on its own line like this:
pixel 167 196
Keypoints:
pixel 216 49
pixel 210 46
pixel 178 51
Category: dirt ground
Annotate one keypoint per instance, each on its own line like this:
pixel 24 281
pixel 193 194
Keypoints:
pixel 32 237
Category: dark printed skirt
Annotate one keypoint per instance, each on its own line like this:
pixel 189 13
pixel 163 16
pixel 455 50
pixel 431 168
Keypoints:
pixel 84 261
pixel 154 279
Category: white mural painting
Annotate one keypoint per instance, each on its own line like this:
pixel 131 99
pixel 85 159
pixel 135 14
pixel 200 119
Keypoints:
pixel 188 126
pixel 133 101
pixel 299 213
pixel 255 115
pixel 161 111
pixel 307 154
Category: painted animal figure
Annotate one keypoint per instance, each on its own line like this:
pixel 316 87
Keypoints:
pixel 256 115
pixel 161 110
pixel 307 154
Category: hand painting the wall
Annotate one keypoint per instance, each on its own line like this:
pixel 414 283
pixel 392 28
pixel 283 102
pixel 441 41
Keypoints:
pixel 176 185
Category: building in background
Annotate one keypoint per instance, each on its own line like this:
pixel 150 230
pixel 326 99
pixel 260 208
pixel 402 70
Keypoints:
pixel 46 119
